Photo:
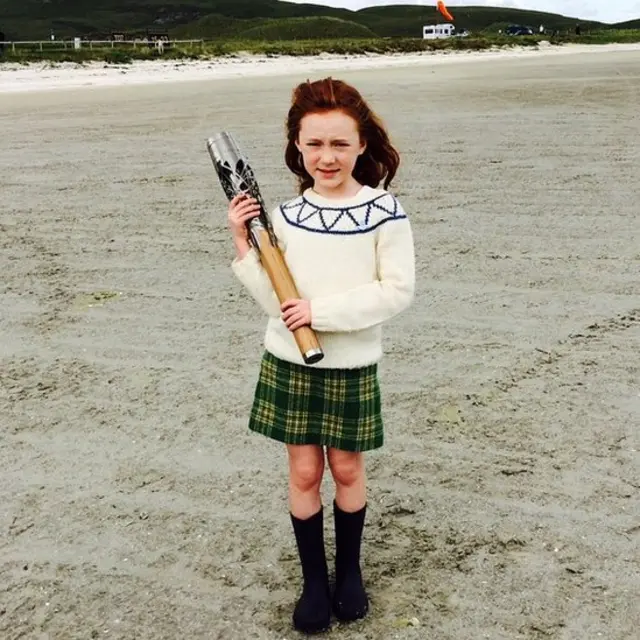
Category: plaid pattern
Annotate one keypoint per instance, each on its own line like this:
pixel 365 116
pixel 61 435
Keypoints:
pixel 338 408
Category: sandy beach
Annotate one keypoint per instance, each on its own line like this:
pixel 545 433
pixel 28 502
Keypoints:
pixel 49 75
pixel 505 503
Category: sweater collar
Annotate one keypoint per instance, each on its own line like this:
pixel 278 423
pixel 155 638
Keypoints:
pixel 366 194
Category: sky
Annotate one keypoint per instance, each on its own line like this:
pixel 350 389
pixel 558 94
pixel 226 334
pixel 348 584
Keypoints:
pixel 600 10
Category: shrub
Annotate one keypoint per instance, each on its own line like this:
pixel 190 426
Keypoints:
pixel 117 56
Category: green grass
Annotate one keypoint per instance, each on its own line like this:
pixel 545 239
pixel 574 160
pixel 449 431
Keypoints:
pixel 316 27
pixel 110 55
pixel 320 27
pixel 609 36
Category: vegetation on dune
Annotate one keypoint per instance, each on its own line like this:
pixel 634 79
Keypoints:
pixel 344 46
pixel 608 36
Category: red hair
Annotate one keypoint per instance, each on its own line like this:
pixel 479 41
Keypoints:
pixel 379 161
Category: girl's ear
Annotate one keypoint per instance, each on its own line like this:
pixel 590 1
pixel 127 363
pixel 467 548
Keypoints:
pixel 298 146
pixel 363 147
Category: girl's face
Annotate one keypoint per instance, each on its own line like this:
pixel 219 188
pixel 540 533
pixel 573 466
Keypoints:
pixel 330 145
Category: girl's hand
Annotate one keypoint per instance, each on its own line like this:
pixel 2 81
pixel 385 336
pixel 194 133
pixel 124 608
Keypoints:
pixel 296 313
pixel 241 209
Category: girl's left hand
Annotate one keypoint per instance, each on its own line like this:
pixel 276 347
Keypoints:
pixel 296 313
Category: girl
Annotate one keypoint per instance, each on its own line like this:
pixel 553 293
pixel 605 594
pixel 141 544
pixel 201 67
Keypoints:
pixel 349 246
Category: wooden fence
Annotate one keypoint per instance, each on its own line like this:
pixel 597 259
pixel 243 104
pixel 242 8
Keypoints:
pixel 77 43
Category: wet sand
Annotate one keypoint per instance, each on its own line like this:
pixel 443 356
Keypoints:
pixel 504 505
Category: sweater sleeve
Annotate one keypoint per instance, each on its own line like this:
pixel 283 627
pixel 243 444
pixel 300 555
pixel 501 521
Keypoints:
pixel 252 275
pixel 375 302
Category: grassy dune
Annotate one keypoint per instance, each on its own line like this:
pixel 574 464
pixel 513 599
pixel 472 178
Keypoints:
pixel 301 47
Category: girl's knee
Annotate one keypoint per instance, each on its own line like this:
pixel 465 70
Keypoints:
pixel 306 470
pixel 347 468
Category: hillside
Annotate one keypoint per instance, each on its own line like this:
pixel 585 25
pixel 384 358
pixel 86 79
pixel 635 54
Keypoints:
pixel 402 20
pixel 25 19
pixel 299 28
pixel 262 19
pixel 307 29
pixel 630 24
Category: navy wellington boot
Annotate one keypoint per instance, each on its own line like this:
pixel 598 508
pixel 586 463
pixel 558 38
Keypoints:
pixel 312 613
pixel 350 601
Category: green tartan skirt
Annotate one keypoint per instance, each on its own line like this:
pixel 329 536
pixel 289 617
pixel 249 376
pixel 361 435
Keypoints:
pixel 338 408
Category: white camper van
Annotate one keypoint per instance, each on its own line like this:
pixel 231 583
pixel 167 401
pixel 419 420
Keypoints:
pixel 434 31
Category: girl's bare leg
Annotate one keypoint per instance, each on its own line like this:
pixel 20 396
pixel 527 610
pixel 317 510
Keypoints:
pixel 312 612
pixel 350 600
pixel 306 467
pixel 348 471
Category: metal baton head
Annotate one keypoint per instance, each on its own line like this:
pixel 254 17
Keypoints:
pixel 236 176
pixel 223 148
pixel 230 165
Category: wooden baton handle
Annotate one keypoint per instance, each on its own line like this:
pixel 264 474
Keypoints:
pixel 274 264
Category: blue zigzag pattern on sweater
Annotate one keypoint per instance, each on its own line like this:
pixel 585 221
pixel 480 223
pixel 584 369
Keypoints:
pixel 361 218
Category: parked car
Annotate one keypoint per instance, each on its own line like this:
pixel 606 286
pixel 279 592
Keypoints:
pixel 518 30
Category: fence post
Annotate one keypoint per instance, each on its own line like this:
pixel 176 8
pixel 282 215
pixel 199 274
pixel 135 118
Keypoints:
pixel 41 45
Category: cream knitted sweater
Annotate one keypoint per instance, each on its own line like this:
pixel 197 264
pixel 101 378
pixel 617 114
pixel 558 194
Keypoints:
pixel 353 259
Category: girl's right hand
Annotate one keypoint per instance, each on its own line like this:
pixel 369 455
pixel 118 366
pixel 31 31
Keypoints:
pixel 242 209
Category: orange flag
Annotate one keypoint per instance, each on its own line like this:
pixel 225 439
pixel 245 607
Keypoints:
pixel 444 11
